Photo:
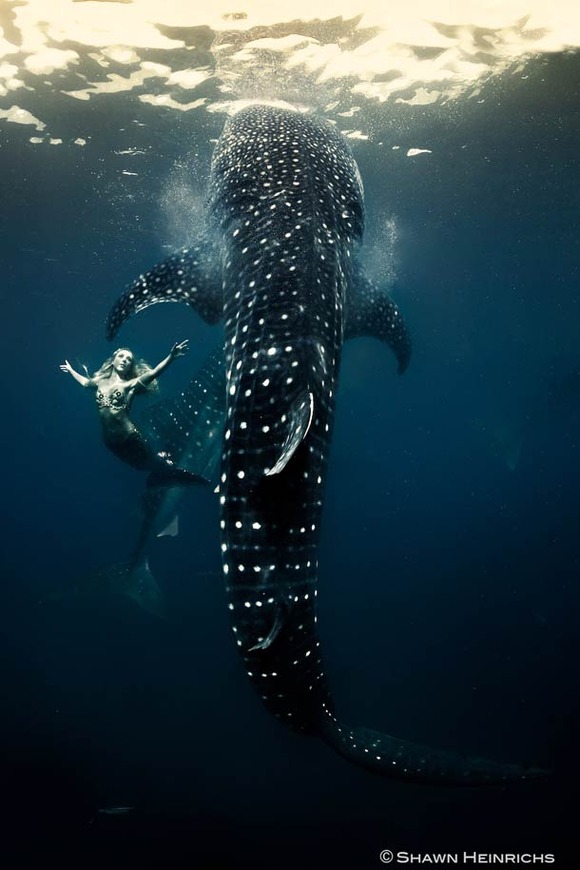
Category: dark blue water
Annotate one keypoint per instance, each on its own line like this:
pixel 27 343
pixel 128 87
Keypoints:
pixel 449 566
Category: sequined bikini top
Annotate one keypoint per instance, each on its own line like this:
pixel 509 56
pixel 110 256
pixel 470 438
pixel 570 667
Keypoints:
pixel 115 400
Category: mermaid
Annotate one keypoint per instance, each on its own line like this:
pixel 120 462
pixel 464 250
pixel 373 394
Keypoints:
pixel 120 378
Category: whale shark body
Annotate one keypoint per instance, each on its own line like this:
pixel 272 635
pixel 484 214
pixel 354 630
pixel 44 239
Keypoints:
pixel 281 265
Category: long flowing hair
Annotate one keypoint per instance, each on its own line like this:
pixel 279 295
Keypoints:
pixel 138 367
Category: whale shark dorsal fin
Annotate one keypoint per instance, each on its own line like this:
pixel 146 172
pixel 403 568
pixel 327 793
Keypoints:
pixel 298 420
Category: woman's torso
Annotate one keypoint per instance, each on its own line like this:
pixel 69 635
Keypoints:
pixel 113 398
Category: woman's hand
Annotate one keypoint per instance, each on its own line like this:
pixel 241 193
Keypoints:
pixel 180 348
pixel 80 379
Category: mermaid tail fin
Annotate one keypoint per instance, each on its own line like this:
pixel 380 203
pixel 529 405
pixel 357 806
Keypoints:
pixel 130 578
pixel 136 581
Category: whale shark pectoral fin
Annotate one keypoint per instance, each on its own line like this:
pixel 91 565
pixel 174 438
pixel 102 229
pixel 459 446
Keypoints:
pixel 298 420
pixel 371 311
pixel 191 275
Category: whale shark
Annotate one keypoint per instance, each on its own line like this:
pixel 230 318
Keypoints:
pixel 280 262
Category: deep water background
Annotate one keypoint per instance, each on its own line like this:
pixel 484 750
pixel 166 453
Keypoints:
pixel 449 595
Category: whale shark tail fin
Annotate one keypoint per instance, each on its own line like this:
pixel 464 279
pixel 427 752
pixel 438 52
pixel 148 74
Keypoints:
pixel 400 759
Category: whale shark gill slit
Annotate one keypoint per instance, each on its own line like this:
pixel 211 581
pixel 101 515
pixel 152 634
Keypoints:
pixel 286 206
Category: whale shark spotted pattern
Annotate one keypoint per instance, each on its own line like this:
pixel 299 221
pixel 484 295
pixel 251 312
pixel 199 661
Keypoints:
pixel 281 264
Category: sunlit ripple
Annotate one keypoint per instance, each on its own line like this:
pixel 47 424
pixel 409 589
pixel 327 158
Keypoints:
pixel 181 56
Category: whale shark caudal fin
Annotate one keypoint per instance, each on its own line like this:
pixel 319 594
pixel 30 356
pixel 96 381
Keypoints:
pixel 401 759
pixel 191 275
pixel 371 312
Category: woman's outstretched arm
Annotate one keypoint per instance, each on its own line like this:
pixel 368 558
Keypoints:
pixel 81 379
pixel 180 348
